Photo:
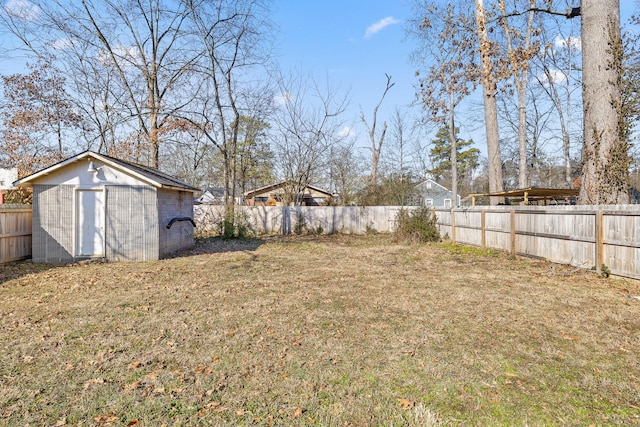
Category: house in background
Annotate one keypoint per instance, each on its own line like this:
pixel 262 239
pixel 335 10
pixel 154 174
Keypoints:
pixel 433 194
pixel 275 195
pixel 7 176
pixel 92 206
pixel 214 196
pixel 211 196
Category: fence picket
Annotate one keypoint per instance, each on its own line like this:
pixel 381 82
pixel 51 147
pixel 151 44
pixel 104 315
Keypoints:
pixel 15 233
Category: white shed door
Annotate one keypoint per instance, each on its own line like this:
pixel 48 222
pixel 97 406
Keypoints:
pixel 90 224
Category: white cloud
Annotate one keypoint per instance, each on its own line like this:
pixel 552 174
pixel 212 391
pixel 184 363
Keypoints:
pixel 345 132
pixel 555 76
pixel 379 26
pixel 61 44
pixel 22 9
pixel 572 42
pixel 283 99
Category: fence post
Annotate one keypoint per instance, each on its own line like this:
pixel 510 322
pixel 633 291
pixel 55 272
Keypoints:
pixel 483 227
pixel 453 226
pixel 599 256
pixel 513 232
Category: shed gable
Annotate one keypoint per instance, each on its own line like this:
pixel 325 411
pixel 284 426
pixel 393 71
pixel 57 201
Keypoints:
pixel 78 175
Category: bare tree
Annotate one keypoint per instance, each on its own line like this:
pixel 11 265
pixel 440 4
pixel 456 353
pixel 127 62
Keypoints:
pixel 399 155
pixel 233 36
pixel 605 153
pixel 346 172
pixel 141 45
pixel 519 56
pixel 140 42
pixel 308 122
pixel 559 81
pixel 446 40
pixel 400 135
pixel 36 118
pixel 376 140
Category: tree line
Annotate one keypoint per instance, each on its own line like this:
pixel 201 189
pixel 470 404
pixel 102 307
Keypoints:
pixel 192 87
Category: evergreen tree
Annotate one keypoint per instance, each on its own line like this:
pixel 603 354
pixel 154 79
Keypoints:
pixel 467 158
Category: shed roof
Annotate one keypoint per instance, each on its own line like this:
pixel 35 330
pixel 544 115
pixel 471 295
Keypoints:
pixel 146 174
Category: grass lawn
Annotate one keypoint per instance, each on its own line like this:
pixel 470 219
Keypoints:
pixel 332 331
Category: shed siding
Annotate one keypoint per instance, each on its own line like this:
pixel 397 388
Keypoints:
pixel 174 204
pixel 131 223
pixel 53 226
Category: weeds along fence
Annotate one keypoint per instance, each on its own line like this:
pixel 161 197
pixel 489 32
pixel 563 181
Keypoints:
pixel 15 232
pixel 603 237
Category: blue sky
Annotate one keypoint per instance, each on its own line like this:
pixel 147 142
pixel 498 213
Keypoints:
pixel 330 39
pixel 354 43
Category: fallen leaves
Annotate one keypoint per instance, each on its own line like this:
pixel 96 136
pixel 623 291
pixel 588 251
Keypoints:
pixel 134 365
pixel 215 407
pixel 106 420
pixel 91 382
pixel 297 413
pixel 406 403
pixel 132 386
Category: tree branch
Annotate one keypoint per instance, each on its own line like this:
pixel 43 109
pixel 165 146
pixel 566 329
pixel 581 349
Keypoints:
pixel 570 13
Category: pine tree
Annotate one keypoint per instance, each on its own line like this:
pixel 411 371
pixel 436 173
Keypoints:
pixel 467 158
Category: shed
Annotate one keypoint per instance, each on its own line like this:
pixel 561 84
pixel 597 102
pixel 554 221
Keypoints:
pixel 93 206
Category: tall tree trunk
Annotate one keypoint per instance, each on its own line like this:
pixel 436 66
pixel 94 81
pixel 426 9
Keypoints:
pixel 376 146
pixel 605 169
pixel 520 68
pixel 523 180
pixel 490 107
pixel 454 152
pixel 154 139
pixel 567 155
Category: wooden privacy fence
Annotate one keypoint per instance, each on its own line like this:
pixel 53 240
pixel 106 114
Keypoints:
pixel 15 232
pixel 584 236
pixel 319 219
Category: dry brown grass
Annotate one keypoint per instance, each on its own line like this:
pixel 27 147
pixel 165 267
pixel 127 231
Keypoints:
pixel 328 331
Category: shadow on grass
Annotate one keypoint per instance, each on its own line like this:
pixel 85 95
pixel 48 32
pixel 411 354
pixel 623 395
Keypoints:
pixel 217 244
pixel 17 269
pixel 212 245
